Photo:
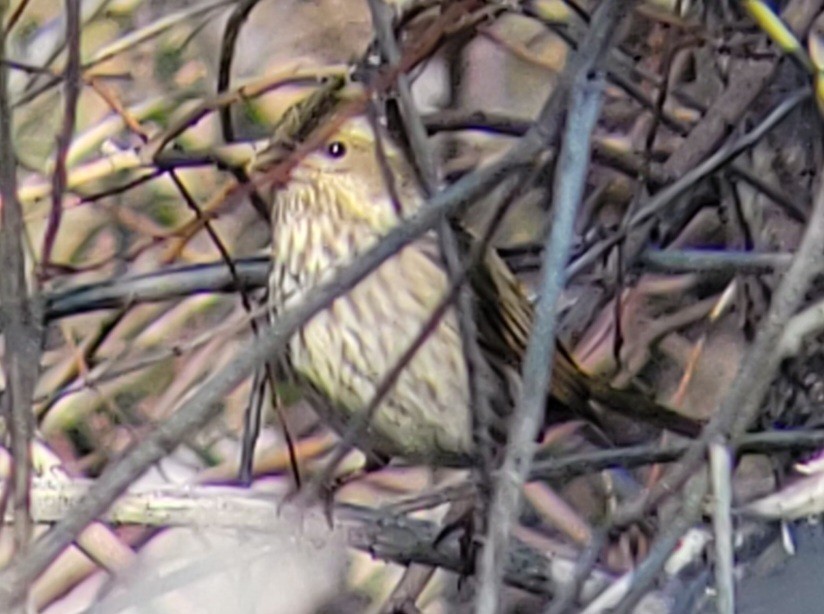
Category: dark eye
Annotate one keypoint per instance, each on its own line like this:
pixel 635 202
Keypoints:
pixel 336 149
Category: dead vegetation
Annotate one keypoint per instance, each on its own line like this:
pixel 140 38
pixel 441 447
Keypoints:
pixel 136 175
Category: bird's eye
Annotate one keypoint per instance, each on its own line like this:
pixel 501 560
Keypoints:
pixel 336 149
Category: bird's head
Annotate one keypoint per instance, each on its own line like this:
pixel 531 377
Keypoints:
pixel 355 179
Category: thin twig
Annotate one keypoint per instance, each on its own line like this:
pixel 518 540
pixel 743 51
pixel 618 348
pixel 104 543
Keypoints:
pixel 71 85
pixel 721 474
pixel 583 108
pixel 19 323
pixel 715 261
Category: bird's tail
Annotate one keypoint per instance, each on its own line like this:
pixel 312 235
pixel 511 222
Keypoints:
pixel 637 406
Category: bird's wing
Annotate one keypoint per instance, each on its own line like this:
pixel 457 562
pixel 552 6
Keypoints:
pixel 504 318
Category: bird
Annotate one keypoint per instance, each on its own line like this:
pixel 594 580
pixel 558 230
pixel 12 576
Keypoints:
pixel 340 200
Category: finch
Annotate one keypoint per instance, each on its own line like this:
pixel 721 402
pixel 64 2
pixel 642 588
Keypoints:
pixel 341 199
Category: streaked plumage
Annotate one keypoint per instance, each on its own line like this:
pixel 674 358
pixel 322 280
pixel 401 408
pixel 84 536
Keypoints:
pixel 336 206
